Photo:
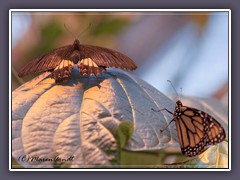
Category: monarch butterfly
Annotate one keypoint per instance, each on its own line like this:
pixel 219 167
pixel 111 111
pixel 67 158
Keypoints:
pixel 196 129
pixel 91 60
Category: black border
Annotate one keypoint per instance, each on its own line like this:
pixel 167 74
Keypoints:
pixel 235 74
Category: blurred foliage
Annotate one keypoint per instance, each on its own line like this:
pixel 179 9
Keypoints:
pixel 52 31
pixel 141 159
pixel 213 157
pixel 15 164
pixel 50 34
pixel 110 27
pixel 124 132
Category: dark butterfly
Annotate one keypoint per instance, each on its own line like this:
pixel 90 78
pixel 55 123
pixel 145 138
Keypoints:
pixel 91 60
pixel 196 129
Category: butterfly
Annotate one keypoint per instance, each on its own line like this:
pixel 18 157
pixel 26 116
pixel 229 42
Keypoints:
pixel 196 129
pixel 90 60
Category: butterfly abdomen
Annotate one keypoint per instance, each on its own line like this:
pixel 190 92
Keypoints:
pixel 75 56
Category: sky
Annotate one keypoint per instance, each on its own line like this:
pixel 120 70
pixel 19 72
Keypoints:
pixel 198 65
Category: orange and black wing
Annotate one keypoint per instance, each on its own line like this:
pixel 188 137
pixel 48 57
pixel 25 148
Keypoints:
pixel 196 130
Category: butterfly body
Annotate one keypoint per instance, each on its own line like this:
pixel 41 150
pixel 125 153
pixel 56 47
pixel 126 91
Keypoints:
pixel 196 129
pixel 90 60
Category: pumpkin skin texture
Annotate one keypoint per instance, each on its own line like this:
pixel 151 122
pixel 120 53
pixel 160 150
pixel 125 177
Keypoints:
pixel 80 117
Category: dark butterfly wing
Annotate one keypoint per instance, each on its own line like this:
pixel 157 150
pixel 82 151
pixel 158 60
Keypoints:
pixel 47 62
pixel 106 57
pixel 196 130
pixel 93 60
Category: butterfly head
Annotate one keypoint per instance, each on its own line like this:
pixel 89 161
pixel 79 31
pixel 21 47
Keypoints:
pixel 178 103
pixel 178 106
pixel 76 43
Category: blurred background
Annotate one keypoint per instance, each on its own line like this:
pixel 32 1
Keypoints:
pixel 188 48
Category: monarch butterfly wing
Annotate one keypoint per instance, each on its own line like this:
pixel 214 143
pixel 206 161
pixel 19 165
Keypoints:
pixel 48 61
pixel 214 130
pixel 106 57
pixel 196 130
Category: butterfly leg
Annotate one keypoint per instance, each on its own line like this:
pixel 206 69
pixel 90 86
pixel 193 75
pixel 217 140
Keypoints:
pixel 167 125
pixel 162 110
pixel 167 111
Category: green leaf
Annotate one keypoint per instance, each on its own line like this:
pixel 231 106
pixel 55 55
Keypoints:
pixel 15 164
pixel 124 132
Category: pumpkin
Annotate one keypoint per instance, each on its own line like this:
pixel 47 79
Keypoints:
pixel 81 123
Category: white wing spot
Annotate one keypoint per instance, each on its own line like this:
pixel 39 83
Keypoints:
pixel 88 62
pixel 64 63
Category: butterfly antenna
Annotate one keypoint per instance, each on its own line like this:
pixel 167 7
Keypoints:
pixel 167 125
pixel 180 94
pixel 69 31
pixel 83 30
pixel 173 88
